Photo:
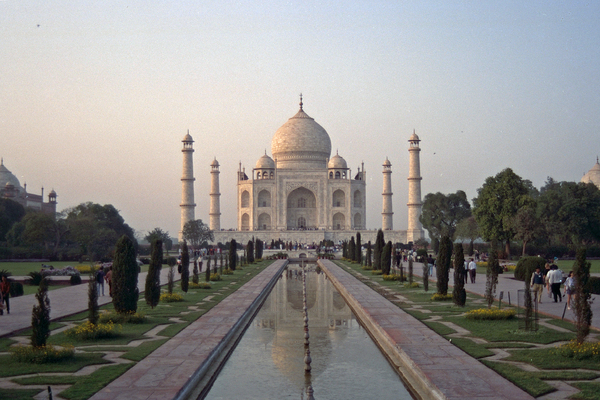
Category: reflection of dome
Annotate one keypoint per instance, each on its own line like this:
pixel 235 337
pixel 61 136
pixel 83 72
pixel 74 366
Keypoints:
pixel 593 175
pixel 302 140
pixel 337 162
pixel 7 178
pixel 265 162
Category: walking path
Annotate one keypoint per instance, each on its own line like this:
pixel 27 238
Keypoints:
pixel 426 360
pixel 63 302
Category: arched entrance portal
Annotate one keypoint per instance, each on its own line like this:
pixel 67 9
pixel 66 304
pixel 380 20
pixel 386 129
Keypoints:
pixel 301 209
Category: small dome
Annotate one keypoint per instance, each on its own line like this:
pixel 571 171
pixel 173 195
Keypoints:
pixel 214 163
pixel 7 178
pixel 387 163
pixel 187 138
pixel 265 162
pixel 593 175
pixel 414 138
pixel 337 162
pixel 52 193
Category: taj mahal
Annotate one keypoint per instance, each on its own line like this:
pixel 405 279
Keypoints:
pixel 302 194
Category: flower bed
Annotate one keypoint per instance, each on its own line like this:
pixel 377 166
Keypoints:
pixel 89 331
pixel 441 297
pixel 200 285
pixel 42 355
pixel 393 278
pixel 171 297
pixel 491 314
pixel 123 318
pixel 580 351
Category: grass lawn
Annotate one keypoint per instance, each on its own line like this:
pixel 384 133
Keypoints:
pixel 24 268
pixel 567 265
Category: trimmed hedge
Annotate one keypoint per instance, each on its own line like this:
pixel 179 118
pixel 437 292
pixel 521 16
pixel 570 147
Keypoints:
pixel 527 265
pixel 594 285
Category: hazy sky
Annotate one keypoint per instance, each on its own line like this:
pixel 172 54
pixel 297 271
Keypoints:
pixel 95 97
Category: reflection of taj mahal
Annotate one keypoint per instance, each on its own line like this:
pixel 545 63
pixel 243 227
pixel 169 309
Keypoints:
pixel 300 193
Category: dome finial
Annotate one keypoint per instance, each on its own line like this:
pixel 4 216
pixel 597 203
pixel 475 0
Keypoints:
pixel 301 104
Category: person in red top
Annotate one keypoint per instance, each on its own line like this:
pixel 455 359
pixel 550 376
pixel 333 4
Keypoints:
pixel 5 289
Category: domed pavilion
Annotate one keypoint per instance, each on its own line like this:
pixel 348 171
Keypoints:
pixel 593 175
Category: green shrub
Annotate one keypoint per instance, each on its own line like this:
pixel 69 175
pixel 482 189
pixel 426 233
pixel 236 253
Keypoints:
pixel 594 284
pixel 171 297
pixel 367 268
pixel 35 278
pixel 527 265
pixel 377 272
pixel 124 318
pixel 227 271
pixel 200 285
pixel 215 277
pixel 580 351
pixel 125 276
pixel 391 277
pixel 413 285
pixel 491 314
pixel 42 354
pixel 16 289
pixel 5 273
pixel 75 279
pixel 441 297
pixel 40 316
pixel 90 331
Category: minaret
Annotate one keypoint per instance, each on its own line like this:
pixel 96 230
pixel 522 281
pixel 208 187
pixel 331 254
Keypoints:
pixel 387 222
pixel 415 229
pixel 215 207
pixel 187 183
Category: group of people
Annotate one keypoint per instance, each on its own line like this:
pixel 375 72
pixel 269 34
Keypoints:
pixel 552 279
pixel 101 277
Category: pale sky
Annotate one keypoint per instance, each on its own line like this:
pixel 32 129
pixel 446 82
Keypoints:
pixel 95 97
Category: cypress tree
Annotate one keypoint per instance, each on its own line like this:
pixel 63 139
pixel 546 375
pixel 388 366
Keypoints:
pixel 352 249
pixel 491 277
pixel 232 254
pixel 459 295
pixel 40 316
pixel 185 267
pixel 379 243
pixel 369 252
pixel 581 301
pixel 358 256
pixel 386 260
pixel 152 293
pixel 258 250
pixel 125 277
pixel 410 270
pixel 443 265
pixel 250 251
pixel 93 313
pixel 207 273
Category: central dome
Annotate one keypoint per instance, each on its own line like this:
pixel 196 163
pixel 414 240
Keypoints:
pixel 301 142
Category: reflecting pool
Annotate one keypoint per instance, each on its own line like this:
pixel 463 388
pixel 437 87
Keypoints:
pixel 268 362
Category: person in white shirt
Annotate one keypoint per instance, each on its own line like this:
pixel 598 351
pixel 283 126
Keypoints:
pixel 472 270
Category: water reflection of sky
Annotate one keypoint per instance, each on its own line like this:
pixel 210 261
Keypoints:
pixel 268 363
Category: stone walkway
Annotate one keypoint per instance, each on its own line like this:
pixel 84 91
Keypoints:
pixel 173 370
pixel 432 365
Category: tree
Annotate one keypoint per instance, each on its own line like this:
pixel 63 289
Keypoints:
pixel 152 292
pixel 258 250
pixel 491 278
pixel 441 213
pixel 497 203
pixel 570 212
pixel 526 226
pixel 125 277
pixel 250 251
pixel 232 254
pixel 196 232
pixel 467 229
pixel 582 298
pixel 379 243
pixel 159 234
pixel 352 249
pixel 459 295
pixel 207 272
pixel 40 316
pixel 11 212
pixel 185 266
pixel 410 270
pixel 93 309
pixel 358 254
pixel 386 258
pixel 443 265
pixel 369 251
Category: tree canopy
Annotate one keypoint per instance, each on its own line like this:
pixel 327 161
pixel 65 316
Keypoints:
pixel 11 212
pixel 441 213
pixel 497 202
pixel 195 232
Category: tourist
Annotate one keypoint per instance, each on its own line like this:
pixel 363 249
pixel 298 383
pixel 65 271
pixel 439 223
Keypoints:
pixel 569 288
pixel 555 280
pixel 473 270
pixel 466 272
pixel 100 280
pixel 108 279
pixel 5 290
pixel 545 273
pixel 537 282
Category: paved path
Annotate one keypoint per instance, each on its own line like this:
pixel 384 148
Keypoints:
pixel 434 367
pixel 63 302
pixel 172 370
pixel 509 285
